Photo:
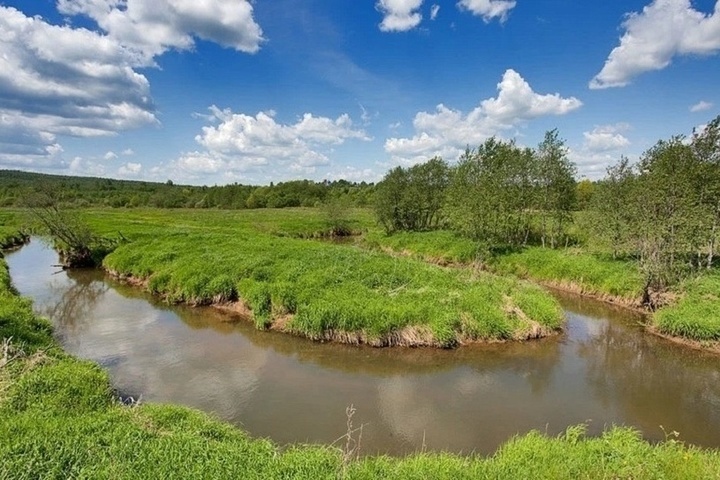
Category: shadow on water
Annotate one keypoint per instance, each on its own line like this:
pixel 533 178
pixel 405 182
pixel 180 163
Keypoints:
pixel 603 370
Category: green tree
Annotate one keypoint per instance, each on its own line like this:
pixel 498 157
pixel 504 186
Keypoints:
pixel 412 198
pixel 706 147
pixel 491 194
pixel 555 180
pixel 614 212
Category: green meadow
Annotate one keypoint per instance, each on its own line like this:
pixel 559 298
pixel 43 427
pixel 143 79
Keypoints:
pixel 318 289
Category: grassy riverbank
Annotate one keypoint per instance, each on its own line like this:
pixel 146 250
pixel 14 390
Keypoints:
pixel 320 290
pixel 692 314
pixel 60 419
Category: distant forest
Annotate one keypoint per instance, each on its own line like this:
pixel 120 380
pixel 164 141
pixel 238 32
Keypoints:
pixel 21 189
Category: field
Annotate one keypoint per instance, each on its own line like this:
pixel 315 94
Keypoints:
pixel 61 420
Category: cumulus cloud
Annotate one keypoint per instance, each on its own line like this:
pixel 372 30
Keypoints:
pixel 601 147
pixel 446 132
pixel 130 169
pixel 399 15
pixel 110 156
pixel 664 29
pixel 238 142
pixel 488 9
pixel 701 106
pixel 606 137
pixel 151 28
pixel 56 80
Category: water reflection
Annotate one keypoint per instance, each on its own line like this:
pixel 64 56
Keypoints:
pixel 604 369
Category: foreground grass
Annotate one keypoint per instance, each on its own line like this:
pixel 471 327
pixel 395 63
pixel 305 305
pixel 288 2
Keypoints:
pixel 60 419
pixel 318 289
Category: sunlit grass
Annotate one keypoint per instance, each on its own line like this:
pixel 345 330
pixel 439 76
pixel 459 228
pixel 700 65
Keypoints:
pixel 697 314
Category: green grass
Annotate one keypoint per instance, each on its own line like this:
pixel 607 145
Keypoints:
pixel 592 273
pixel 697 314
pixel 12 228
pixel 330 291
pixel 61 420
pixel 439 246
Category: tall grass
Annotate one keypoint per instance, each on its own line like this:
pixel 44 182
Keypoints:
pixel 324 291
pixel 60 419
pixel 697 314
pixel 591 273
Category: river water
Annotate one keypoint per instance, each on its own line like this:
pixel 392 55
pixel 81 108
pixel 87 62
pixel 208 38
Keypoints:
pixel 603 370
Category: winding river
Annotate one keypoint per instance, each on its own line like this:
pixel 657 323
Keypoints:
pixel 603 370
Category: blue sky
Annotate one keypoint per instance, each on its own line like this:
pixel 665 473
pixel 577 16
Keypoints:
pixel 222 91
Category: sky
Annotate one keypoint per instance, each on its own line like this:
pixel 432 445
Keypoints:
pixel 211 92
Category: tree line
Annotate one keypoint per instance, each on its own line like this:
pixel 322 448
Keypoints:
pixel 16 188
pixel 500 194
pixel 663 212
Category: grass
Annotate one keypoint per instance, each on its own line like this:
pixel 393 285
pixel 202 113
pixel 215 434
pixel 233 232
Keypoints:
pixel 589 273
pixel 696 315
pixel 570 268
pixel 12 229
pixel 318 289
pixel 60 419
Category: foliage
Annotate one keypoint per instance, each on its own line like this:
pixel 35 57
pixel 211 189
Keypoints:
pixel 665 210
pixel 555 178
pixel 491 194
pixel 412 198
pixel 17 186
pixel 506 196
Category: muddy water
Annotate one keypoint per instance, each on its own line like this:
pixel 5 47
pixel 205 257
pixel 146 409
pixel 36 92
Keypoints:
pixel 604 370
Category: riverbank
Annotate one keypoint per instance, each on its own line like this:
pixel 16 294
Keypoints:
pixel 61 419
pixel 688 314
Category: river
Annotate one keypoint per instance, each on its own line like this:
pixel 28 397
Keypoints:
pixel 603 370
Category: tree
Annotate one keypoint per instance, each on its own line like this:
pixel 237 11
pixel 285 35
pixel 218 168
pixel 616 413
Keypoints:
pixel 490 196
pixel 555 180
pixel 672 213
pixel 706 147
pixel 412 198
pixel 613 208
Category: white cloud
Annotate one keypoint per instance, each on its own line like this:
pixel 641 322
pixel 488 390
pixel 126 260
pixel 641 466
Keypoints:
pixel 128 152
pixel 434 10
pixel 130 169
pixel 399 15
pixel 56 80
pixel 488 9
pixel 151 28
pixel 447 132
pixel 664 29
pixel 602 147
pixel 606 137
pixel 701 106
pixel 239 142
pixel 64 81
pixel 110 156
pixel 353 174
